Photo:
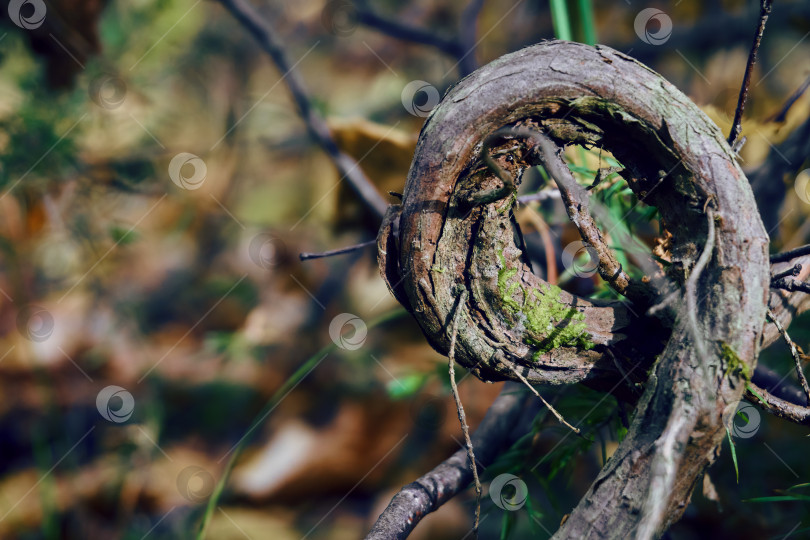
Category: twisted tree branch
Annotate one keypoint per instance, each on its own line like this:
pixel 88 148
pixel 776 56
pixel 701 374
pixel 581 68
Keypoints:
pixel 676 159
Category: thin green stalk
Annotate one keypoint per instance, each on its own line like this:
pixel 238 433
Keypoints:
pixel 588 21
pixel 274 400
pixel 43 459
pixel 561 20
pixel 733 455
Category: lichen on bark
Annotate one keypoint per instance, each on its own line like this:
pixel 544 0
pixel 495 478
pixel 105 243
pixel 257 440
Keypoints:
pixel 675 159
pixel 542 313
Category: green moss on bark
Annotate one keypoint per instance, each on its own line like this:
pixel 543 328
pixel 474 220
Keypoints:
pixel 543 314
pixel 733 363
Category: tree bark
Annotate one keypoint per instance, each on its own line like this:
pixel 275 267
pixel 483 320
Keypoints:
pixel 676 159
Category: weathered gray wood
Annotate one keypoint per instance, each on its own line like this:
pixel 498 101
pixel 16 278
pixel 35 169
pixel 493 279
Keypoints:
pixel 678 161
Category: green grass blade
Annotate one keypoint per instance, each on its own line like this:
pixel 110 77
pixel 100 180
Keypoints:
pixel 271 404
pixel 588 21
pixel 751 389
pixel 733 455
pixel 561 20
pixel 780 498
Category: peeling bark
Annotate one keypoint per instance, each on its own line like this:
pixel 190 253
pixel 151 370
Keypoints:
pixel 676 159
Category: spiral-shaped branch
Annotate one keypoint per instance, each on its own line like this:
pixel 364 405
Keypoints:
pixel 446 238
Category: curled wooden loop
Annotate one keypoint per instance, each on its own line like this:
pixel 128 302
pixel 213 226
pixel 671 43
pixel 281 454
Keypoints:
pixel 675 159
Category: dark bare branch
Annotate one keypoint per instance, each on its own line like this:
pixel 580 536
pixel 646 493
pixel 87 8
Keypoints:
pixel 791 285
pixel 789 255
pixel 779 407
pixel 267 37
pixel 765 11
pixel 793 271
pixel 793 352
pixel 781 116
pixel 428 493
pixel 308 256
pixel 461 48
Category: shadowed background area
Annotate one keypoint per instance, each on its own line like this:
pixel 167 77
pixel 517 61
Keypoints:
pixel 157 185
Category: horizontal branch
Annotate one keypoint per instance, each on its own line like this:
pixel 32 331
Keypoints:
pixel 790 254
pixel 779 407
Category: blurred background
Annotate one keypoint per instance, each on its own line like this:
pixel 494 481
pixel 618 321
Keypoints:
pixel 157 327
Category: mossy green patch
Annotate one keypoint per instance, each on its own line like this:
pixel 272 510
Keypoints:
pixel 544 314
pixel 733 363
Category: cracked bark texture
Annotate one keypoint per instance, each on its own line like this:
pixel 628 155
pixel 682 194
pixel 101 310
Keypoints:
pixel 676 159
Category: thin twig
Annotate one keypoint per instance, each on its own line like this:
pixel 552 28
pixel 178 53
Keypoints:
pixel 406 32
pixel 691 286
pixel 462 48
pixel 782 114
pixel 462 298
pixel 536 393
pixel 536 220
pixel 308 256
pixel 504 422
pixel 624 374
pixel 540 196
pixel 791 285
pixel 790 255
pixel 764 12
pixel 793 271
pixel 507 188
pixel 578 207
pixel 782 408
pixel 793 351
pixel 266 35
